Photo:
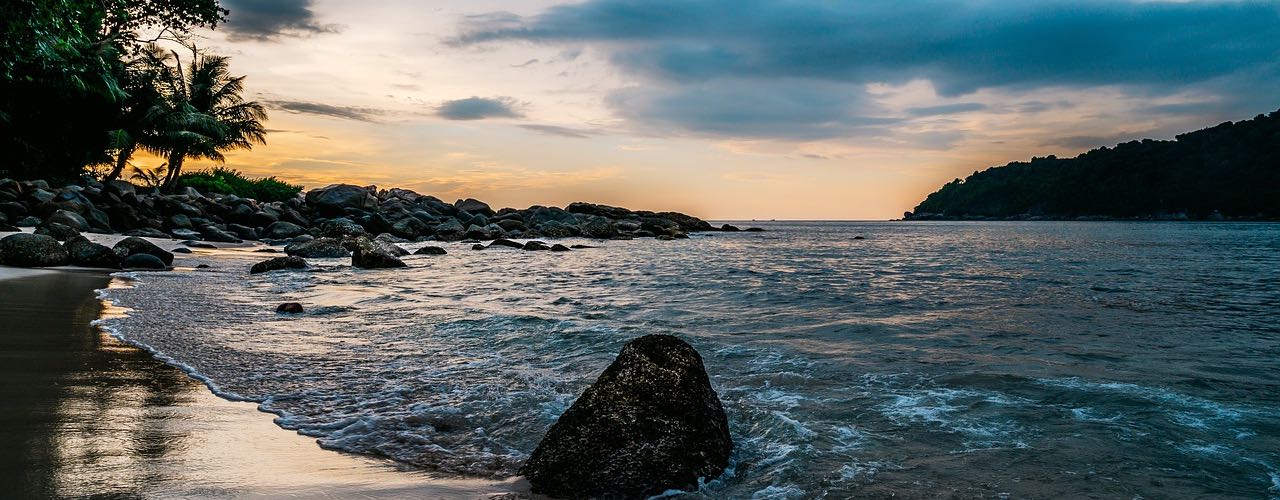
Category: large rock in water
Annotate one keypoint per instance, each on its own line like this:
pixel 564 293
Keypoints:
pixel 336 197
pixel 135 245
pixel 85 253
pixel 369 254
pixel 649 424
pixel 319 248
pixel 32 250
pixel 278 264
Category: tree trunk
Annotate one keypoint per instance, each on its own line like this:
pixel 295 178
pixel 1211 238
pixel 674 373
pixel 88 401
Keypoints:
pixel 175 169
pixel 121 161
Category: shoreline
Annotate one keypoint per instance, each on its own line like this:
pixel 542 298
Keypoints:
pixel 93 414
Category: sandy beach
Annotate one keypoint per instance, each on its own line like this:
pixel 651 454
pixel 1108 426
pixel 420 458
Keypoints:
pixel 89 415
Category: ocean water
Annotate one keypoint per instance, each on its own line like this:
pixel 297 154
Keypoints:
pixel 973 360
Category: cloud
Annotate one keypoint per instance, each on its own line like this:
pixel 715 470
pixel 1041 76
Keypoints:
pixel 478 108
pixel 558 130
pixel 265 20
pixel 740 67
pixel 315 108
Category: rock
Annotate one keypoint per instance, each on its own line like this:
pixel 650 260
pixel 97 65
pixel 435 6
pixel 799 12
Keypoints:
pixel 281 230
pixel 429 250
pixel 649 424
pixel 503 242
pixel 369 254
pixel 478 246
pixel 182 250
pixel 85 253
pixel 594 226
pixel 147 232
pixel 32 250
pixel 319 248
pixel 178 221
pixel 600 210
pixel 665 237
pixel 186 234
pixel 70 219
pixel 289 308
pixel 730 228
pixel 202 266
pixel 536 245
pixel 474 206
pixel 57 231
pixel 575 247
pixel 133 245
pixel 859 237
pixel 278 263
pixel 266 250
pixel 120 188
pixel 342 227
pixel 6 228
pixel 754 230
pixel 143 261
pixel 338 197
pixel 559 248
pixel 28 221
pixel 211 233
pixel 198 244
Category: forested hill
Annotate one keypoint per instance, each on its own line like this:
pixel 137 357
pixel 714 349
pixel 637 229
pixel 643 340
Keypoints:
pixel 1228 171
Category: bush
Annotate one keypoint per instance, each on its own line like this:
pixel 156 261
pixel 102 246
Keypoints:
pixel 229 181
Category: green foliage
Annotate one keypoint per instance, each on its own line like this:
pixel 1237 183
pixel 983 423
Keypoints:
pixel 150 177
pixel 1233 168
pixel 229 181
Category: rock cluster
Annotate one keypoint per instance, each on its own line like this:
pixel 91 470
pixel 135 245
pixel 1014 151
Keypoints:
pixel 650 423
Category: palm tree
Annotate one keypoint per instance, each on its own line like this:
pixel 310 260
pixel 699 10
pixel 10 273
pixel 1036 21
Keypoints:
pixel 143 108
pixel 207 88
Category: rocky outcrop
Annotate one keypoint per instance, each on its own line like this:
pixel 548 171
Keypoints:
pixel 278 264
pixel 649 424
pixel 32 250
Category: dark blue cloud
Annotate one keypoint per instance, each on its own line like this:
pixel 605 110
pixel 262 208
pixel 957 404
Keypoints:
pixel 272 19
pixel 961 47
pixel 316 108
pixel 478 108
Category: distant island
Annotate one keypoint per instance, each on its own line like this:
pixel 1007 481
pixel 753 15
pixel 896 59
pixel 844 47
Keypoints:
pixel 1230 171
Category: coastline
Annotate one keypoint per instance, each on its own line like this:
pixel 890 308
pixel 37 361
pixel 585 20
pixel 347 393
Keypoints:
pixel 91 414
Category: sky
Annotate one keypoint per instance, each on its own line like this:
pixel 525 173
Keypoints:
pixel 728 109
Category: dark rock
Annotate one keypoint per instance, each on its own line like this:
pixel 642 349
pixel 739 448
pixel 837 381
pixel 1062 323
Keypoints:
pixel 474 206
pixel 281 230
pixel 369 254
pixel 211 233
pixel 198 244
pixel 202 266
pixel 559 248
pixel 28 221
pixel 594 226
pixel 6 228
pixel 186 234
pixel 32 250
pixel 478 246
pixel 754 230
pixel 85 253
pixel 178 221
pixel 133 245
pixel 600 210
pixel 649 424
pixel 730 228
pixel 859 237
pixel 342 227
pixel 536 245
pixel 289 308
pixel 279 263
pixel 70 219
pixel 581 246
pixel 266 250
pixel 665 237
pixel 429 250
pixel 243 232
pixel 143 261
pixel 146 232
pixel 57 231
pixel 182 250
pixel 319 248
pixel 503 242
pixel 338 197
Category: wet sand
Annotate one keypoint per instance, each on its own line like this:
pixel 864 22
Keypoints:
pixel 85 414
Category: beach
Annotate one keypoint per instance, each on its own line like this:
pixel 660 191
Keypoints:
pixel 89 415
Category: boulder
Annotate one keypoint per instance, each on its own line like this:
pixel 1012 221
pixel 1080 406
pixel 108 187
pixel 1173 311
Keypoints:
pixel 32 250
pixel 143 261
pixel 650 423
pixel 429 250
pixel 369 254
pixel 600 210
pixel 474 206
pixel 70 219
pixel 211 233
pixel 289 308
pixel 186 234
pixel 198 244
pixel 338 197
pixel 536 245
pixel 85 253
pixel 133 245
pixel 278 263
pixel 559 248
pixel 342 227
pixel 57 231
pixel 281 230
pixel 502 242
pixel 754 230
pixel 319 248
pixel 729 228
pixel 181 250
pixel 478 246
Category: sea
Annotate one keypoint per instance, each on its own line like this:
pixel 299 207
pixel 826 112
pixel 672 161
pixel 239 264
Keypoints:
pixel 854 359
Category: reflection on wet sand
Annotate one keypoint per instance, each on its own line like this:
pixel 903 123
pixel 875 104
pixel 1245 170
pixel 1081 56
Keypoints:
pixel 88 415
